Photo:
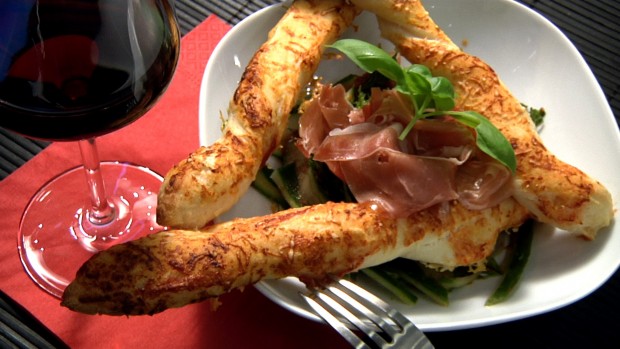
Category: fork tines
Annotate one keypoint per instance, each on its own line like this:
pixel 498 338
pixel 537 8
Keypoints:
pixel 347 307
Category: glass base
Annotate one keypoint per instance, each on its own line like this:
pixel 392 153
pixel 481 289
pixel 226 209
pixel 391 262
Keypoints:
pixel 56 236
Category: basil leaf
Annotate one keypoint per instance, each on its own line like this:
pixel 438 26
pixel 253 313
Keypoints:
pixel 370 58
pixel 430 95
pixel 489 139
pixel 418 88
pixel 418 83
pixel 443 93
pixel 420 70
pixel 439 89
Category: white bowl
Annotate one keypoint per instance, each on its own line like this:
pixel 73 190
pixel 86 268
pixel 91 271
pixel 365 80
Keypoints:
pixel 542 68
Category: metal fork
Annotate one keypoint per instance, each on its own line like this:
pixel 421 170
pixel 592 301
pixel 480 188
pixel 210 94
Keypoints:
pixel 344 305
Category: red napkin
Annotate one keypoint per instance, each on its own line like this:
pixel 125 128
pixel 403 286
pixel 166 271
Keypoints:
pixel 167 134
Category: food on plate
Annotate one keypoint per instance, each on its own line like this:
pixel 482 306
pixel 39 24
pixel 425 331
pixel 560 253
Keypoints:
pixel 554 192
pixel 394 138
pixel 178 267
pixel 213 178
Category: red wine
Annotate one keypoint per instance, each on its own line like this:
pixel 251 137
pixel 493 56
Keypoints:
pixel 68 75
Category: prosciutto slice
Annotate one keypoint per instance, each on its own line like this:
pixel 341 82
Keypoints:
pixel 436 163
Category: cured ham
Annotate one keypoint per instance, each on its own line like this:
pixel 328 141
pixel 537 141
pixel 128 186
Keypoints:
pixel 437 162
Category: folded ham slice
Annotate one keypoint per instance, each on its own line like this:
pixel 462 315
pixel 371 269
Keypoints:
pixel 436 163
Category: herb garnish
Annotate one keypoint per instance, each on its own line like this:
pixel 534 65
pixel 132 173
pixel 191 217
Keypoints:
pixel 537 114
pixel 430 95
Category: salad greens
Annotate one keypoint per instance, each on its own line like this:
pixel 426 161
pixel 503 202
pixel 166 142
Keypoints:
pixel 303 181
pixel 536 114
pixel 436 286
pixel 430 95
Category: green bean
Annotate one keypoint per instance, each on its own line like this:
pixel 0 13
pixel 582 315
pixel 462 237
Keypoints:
pixel 268 188
pixel 392 284
pixel 412 273
pixel 523 243
pixel 453 282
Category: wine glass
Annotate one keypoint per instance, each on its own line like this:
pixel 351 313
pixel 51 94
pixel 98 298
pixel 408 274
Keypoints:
pixel 71 70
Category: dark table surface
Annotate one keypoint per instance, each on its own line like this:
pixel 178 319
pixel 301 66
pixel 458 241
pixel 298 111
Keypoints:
pixel 594 28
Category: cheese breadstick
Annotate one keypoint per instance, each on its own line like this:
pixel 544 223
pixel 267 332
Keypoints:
pixel 213 178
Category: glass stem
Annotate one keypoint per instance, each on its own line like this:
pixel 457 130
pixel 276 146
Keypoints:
pixel 101 211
